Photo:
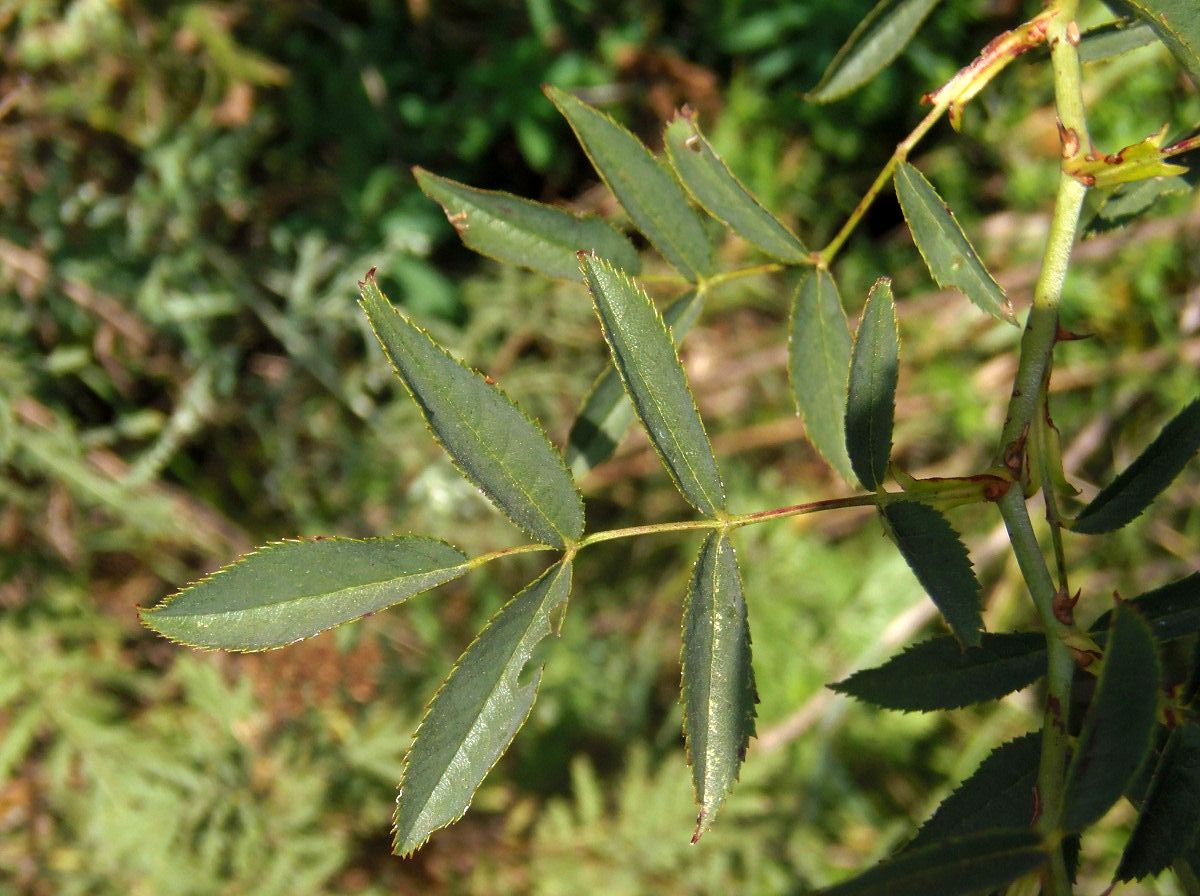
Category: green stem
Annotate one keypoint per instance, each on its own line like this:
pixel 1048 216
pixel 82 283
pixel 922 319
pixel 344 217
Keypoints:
pixel 1037 347
pixel 726 276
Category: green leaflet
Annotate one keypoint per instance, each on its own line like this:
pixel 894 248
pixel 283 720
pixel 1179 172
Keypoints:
pixel 713 186
pixel 1114 39
pixel 294 589
pixel 1177 24
pixel 1142 481
pixel 518 231
pixel 975 863
pixel 718 680
pixel 645 356
pixel 940 674
pixel 1169 820
pixel 476 713
pixel 607 412
pixel 1119 726
pixel 999 794
pixel 947 252
pixel 1173 611
pixel 645 188
pixel 499 449
pixel 819 365
pixel 934 553
pixel 878 39
pixel 871 403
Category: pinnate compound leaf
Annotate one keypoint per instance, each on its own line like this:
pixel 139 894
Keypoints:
pixel 1119 726
pixel 1123 499
pixel 940 674
pixel 871 403
pixel 499 449
pixel 819 365
pixel 646 189
pixel 607 413
pixel 1177 24
pixel 718 680
pixel 718 192
pixel 294 589
pixel 999 794
pixel 948 253
pixel 1168 824
pixel 975 863
pixel 935 554
pixel 878 39
pixel 530 234
pixel 475 715
pixel 1173 611
pixel 645 356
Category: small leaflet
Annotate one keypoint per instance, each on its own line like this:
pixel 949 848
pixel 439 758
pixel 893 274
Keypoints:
pixel 871 402
pixel 939 674
pixel 645 356
pixel 1177 24
pixel 521 232
pixel 937 557
pixel 879 38
pixel 1169 819
pixel 290 590
pixel 819 365
pixel 476 713
pixel 718 680
pixel 975 863
pixel 607 413
pixel 646 189
pixel 710 182
pixel 1119 726
pixel 492 442
pixel 1124 499
pixel 948 254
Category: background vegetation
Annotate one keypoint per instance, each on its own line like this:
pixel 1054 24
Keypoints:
pixel 191 191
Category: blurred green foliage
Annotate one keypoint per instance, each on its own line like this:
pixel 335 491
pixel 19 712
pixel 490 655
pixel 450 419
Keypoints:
pixel 191 189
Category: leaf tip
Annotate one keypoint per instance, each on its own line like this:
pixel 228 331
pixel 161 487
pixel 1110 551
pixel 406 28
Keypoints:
pixel 368 278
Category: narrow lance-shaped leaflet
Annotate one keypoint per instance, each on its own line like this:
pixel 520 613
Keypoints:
pixel 645 356
pixel 495 445
pixel 819 344
pixel 948 254
pixel 290 590
pixel 871 402
pixel 646 189
pixel 718 680
pixel 477 712
pixel 607 413
pixel 879 38
pixel 713 186
pixel 530 234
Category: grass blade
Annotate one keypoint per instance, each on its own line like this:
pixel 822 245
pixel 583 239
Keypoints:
pixel 718 192
pixel 645 356
pixel 476 713
pixel 294 589
pixel 819 366
pixel 948 254
pixel 718 680
pixel 646 189
pixel 871 402
pixel 499 449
